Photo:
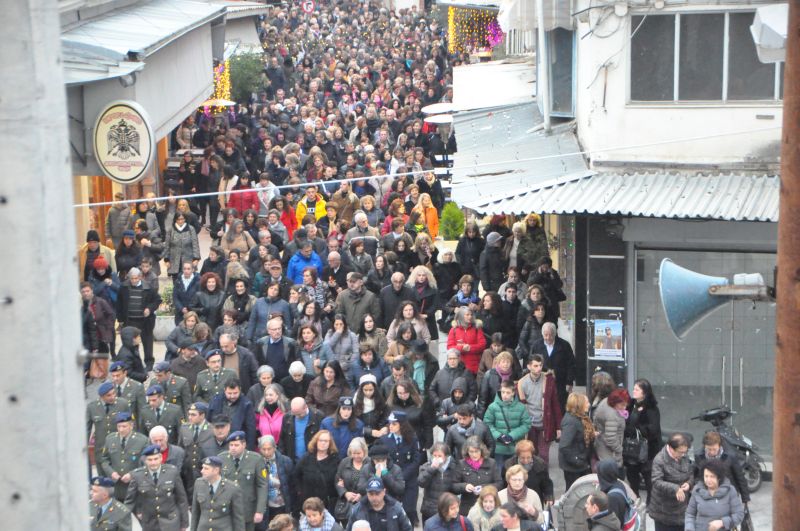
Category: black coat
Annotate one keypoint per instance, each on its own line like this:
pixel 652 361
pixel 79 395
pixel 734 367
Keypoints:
pixel 468 253
pixel 562 361
pixel 182 297
pixel 538 477
pixel 151 301
pixel 435 482
pixel 573 454
pixel 492 268
pixel 552 284
pixel 313 477
pixel 389 300
pixel 209 306
pixel 647 419
pixel 487 474
pixel 428 303
pixel 287 432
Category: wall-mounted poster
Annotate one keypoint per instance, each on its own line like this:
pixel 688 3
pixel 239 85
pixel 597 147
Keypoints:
pixel 608 339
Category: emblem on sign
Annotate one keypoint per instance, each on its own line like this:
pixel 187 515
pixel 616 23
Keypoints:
pixel 124 143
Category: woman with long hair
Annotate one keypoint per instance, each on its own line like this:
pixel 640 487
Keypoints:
pixel 405 452
pixel 313 352
pixel 237 238
pixel 343 342
pixel 326 389
pixel 491 315
pixel 380 275
pixel 644 417
pixel 426 295
pixel 343 424
pixel 469 249
pixel 185 330
pixel 370 407
pixel 408 313
pixel 286 214
pixel 270 412
pixel 315 473
pixel 369 334
pixel 207 302
pixel 314 286
pixel 311 314
pixel 577 437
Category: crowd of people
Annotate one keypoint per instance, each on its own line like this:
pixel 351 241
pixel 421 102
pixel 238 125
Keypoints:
pixel 301 386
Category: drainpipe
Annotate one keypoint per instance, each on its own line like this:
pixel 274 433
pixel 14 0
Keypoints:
pixel 543 59
pixel 786 401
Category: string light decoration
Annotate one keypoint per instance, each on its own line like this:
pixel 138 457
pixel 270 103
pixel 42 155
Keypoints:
pixel 222 86
pixel 469 29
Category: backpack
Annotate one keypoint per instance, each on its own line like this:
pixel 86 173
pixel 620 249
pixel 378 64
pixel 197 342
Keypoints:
pixel 632 520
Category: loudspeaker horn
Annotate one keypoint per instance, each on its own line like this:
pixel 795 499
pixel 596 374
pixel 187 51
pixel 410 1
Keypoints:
pixel 685 296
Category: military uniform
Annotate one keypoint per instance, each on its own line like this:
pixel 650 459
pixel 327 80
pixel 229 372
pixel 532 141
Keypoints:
pixel 207 388
pixel 114 458
pixel 251 477
pixel 221 512
pixel 102 417
pixel 170 417
pixel 116 518
pixel 133 392
pixel 194 448
pixel 177 391
pixel 159 506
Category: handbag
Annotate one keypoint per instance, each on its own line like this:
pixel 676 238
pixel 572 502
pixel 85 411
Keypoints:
pixel 747 522
pixel 634 449
pixel 342 509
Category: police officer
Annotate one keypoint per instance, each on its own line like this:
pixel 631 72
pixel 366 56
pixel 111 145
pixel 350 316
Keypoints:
pixel 176 388
pixel 102 413
pixel 156 494
pixel 247 470
pixel 120 454
pixel 217 502
pixel 127 388
pixel 194 433
pixel 160 413
pixel 212 381
pixel 106 513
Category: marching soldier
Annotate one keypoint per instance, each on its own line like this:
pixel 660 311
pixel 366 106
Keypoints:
pixel 156 494
pixel 193 435
pixel 127 388
pixel 160 413
pixel 106 513
pixel 212 381
pixel 247 470
pixel 102 413
pixel 176 388
pixel 120 454
pixel 217 502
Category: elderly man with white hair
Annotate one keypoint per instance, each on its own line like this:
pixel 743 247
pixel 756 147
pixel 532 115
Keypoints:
pixel 559 358
pixel 172 453
pixel 279 473
pixel 362 231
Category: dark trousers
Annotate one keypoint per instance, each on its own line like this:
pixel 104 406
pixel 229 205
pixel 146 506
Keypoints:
pixel 409 500
pixel 636 474
pixel 571 477
pixel 146 327
pixel 668 527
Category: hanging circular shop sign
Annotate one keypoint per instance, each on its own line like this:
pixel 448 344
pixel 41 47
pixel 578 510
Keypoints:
pixel 308 6
pixel 124 141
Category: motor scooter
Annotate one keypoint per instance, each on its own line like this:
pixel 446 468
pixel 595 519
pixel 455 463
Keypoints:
pixel 752 463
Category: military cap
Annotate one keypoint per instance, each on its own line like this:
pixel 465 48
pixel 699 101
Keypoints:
pixel 162 366
pixel 155 390
pixel 200 407
pixel 345 401
pixel 153 449
pixel 102 481
pixel 214 352
pixel 117 366
pixel 213 461
pixel 236 436
pixel 105 388
pixel 124 416
pixel 221 420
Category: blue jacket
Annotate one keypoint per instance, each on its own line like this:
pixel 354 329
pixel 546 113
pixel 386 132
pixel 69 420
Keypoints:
pixel 342 435
pixel 259 315
pixel 435 523
pixel 358 369
pixel 298 262
pixel 242 413
pixel 391 518
pixel 407 455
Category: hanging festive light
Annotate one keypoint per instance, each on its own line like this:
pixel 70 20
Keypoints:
pixel 222 86
pixel 472 29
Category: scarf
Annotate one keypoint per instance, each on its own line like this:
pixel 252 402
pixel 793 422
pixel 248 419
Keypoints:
pixel 503 375
pixel 327 523
pixel 271 408
pixel 517 496
pixel 476 465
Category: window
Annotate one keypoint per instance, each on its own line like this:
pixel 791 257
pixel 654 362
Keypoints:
pixel 561 46
pixel 699 57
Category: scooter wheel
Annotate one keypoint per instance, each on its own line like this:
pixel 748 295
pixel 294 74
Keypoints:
pixel 752 473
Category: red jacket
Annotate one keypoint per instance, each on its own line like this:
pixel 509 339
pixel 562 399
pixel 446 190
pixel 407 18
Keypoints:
pixel 242 201
pixel 471 336
pixel 551 407
pixel 289 220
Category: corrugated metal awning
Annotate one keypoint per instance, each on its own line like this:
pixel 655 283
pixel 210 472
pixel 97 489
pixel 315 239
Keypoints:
pixel 140 30
pixel 505 148
pixel 730 197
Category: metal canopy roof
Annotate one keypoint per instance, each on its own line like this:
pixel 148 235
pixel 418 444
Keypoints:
pixel 141 29
pixel 730 197
pixel 495 148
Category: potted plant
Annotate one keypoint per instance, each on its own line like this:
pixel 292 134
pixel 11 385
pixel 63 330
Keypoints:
pixel 165 315
pixel 452 223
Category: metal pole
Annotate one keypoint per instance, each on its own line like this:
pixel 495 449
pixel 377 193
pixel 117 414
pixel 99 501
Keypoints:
pixel 786 402
pixel 45 484
pixel 543 73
